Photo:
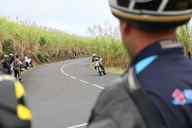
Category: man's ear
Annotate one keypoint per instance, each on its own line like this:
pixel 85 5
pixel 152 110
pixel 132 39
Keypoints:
pixel 125 28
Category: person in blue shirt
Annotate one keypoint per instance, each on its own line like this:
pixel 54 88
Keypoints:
pixel 161 76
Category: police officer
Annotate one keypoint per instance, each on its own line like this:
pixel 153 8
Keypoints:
pixel 157 90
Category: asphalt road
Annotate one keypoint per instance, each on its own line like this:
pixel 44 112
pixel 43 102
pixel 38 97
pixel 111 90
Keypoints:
pixel 61 95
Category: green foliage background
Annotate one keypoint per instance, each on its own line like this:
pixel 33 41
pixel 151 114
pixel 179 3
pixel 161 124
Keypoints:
pixel 48 45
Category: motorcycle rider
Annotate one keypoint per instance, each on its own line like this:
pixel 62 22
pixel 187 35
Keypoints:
pixel 30 61
pixel 98 62
pixel 11 62
pixel 27 62
pixel 159 76
pixel 95 57
pixel 11 56
pixel 17 67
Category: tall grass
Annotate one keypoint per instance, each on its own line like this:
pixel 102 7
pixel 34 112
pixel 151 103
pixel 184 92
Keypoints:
pixel 46 45
pixel 184 35
pixel 114 53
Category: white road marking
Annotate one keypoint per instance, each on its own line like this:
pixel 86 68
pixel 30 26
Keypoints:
pixel 62 71
pixel 89 84
pixel 78 126
pixel 66 74
pixel 83 81
pixel 73 77
pixel 98 86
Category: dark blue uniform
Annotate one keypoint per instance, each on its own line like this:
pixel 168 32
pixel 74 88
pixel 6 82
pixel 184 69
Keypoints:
pixel 167 78
pixel 166 75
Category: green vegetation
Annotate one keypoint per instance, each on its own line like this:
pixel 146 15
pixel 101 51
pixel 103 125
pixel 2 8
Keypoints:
pixel 115 70
pixel 184 35
pixel 48 45
pixel 40 43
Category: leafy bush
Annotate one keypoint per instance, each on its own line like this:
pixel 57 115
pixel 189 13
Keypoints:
pixel 42 57
pixel 8 46
pixel 42 41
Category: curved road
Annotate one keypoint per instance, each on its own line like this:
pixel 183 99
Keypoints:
pixel 61 95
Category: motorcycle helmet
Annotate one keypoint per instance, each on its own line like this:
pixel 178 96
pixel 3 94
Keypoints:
pixel 94 54
pixel 5 56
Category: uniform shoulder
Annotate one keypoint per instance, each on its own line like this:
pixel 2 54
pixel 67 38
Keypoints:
pixel 113 93
pixel 114 106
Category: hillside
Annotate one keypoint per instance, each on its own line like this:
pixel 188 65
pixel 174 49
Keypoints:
pixel 47 45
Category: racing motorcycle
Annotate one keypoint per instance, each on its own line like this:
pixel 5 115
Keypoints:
pixel 99 67
pixel 27 63
pixel 18 69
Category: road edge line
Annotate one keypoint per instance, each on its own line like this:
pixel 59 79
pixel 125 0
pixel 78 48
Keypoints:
pixel 78 126
pixel 75 78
